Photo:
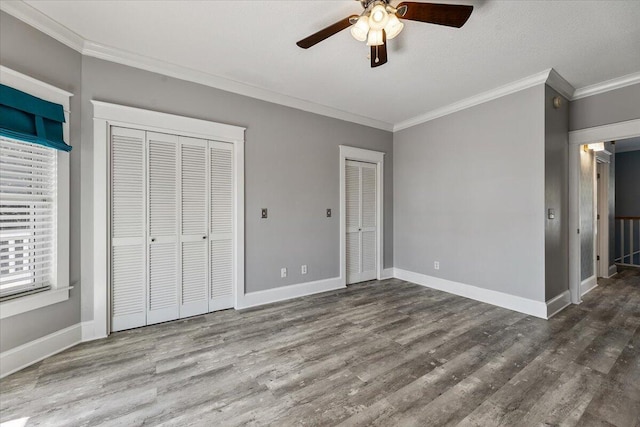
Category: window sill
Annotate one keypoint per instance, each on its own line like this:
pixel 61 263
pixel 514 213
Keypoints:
pixel 31 302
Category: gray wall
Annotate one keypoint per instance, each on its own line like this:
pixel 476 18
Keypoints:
pixel 556 195
pixel 612 202
pixel 25 49
pixel 291 168
pixel 628 183
pixel 469 191
pixel 610 107
pixel 586 214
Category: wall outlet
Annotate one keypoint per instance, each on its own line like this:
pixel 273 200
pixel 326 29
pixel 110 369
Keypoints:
pixel 436 265
pixel 263 213
pixel 283 272
pixel 303 269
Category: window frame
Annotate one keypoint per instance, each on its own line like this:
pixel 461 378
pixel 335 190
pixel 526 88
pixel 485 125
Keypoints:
pixel 60 287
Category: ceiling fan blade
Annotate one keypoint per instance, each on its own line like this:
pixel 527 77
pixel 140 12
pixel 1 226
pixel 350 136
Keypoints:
pixel 379 53
pixel 451 15
pixel 325 33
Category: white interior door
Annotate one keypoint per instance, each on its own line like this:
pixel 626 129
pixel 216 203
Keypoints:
pixel 361 221
pixel 221 187
pixel 162 214
pixel 193 224
pixel 128 248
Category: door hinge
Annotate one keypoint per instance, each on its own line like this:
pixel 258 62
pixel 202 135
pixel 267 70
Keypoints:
pixel 597 257
pixel 598 216
pixel 598 176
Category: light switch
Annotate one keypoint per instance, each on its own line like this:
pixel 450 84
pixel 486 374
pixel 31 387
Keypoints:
pixel 264 212
pixel 328 213
pixel 551 214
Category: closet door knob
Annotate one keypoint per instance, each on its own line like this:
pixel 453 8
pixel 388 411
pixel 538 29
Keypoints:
pixel 153 239
pixel 204 237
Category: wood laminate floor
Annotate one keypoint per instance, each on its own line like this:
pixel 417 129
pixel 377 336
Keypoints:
pixel 384 353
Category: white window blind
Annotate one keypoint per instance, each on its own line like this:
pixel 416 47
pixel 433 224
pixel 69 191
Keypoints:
pixel 27 217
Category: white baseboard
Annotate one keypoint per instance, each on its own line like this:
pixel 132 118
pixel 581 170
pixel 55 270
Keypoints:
pixel 512 302
pixel 253 299
pixel 89 333
pixel 613 270
pixel 557 304
pixel 387 273
pixel 588 284
pixel 27 354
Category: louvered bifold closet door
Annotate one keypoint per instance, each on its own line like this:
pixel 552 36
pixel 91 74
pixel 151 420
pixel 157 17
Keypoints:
pixel 368 221
pixel 221 187
pixel 352 182
pixel 128 248
pixel 194 240
pixel 361 221
pixel 162 219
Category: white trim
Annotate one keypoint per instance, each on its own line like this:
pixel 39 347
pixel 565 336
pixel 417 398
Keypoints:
pixel 42 22
pixel 89 332
pixel 370 156
pixel 481 98
pixel 23 304
pixel 557 304
pixel 106 115
pixel 35 87
pixel 613 270
pixel 557 82
pixel 34 351
pixel 577 138
pixel 588 285
pixel 606 86
pixel 602 210
pixel 611 132
pixel 253 299
pixel 511 302
pixel 387 273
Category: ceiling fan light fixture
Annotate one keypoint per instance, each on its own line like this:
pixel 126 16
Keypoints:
pixel 375 38
pixel 393 27
pixel 378 17
pixel 360 29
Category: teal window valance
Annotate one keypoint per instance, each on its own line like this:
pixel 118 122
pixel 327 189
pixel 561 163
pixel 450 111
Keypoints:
pixel 27 118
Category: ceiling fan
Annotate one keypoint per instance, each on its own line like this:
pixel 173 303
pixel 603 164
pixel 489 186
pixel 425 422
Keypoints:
pixel 380 22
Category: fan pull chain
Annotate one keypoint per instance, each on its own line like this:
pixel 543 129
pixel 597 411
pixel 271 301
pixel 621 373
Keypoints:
pixel 377 58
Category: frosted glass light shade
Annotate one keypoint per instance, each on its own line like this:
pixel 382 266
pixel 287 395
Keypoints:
pixel 378 17
pixel 393 27
pixel 360 29
pixel 375 38
pixel 596 146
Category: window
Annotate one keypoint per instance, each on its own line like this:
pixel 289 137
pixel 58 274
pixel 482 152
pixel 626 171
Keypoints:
pixel 28 181
pixel 34 193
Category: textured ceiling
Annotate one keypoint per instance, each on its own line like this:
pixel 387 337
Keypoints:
pixel 430 66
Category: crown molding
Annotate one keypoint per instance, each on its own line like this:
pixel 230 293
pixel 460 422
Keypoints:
pixel 107 53
pixel 481 98
pixel 606 86
pixel 557 82
pixel 43 23
pixel 52 28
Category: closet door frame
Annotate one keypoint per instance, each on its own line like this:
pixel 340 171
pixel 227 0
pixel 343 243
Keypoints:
pixel 96 292
pixel 368 156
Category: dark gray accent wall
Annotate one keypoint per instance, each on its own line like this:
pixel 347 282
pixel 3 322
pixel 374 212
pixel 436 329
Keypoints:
pixel 586 214
pixel 291 168
pixel 610 107
pixel 556 177
pixel 28 51
pixel 627 189
pixel 469 192
pixel 610 147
